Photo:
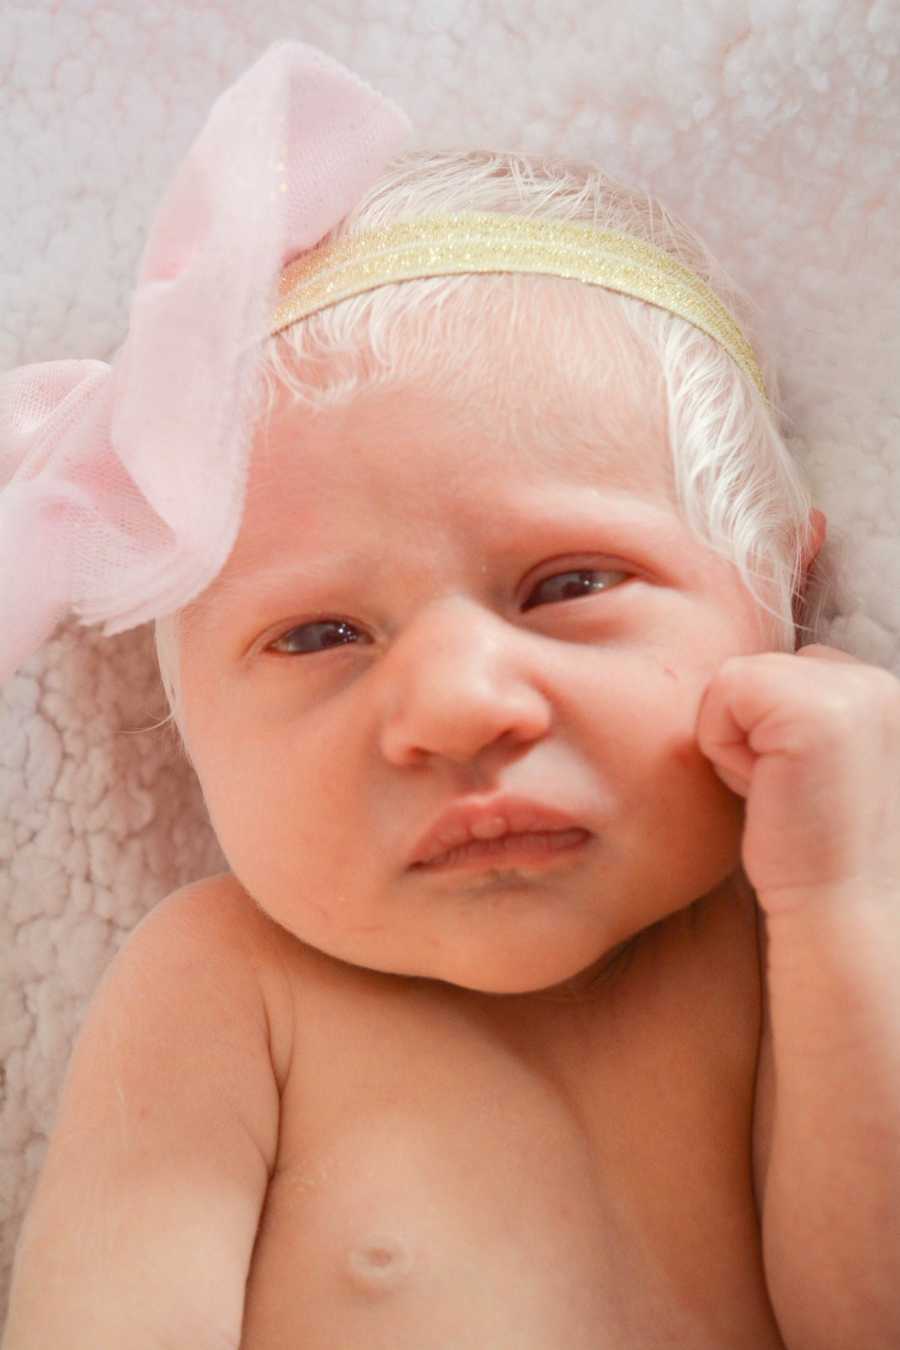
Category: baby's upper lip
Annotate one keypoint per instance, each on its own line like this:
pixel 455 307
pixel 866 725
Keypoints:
pixel 461 821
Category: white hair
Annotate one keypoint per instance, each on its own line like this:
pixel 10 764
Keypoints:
pixel 736 483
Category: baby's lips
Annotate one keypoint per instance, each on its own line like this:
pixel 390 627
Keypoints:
pixel 487 818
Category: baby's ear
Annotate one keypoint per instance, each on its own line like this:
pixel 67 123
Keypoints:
pixel 819 526
pixel 809 604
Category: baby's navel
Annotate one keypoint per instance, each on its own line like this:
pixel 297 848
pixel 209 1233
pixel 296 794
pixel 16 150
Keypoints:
pixel 379 1264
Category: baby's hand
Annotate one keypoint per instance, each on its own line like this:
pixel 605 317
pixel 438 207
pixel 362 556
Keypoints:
pixel 812 741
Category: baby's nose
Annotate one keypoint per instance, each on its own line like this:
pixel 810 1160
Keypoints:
pixel 458 680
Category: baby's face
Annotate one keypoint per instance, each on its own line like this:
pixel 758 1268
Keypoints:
pixel 523 614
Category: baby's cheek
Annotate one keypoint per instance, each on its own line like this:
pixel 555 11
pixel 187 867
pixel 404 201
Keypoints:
pixel 681 691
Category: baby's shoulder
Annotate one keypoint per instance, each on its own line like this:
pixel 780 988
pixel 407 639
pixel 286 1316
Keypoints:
pixel 232 932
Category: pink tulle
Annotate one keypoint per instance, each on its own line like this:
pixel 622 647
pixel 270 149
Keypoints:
pixel 122 486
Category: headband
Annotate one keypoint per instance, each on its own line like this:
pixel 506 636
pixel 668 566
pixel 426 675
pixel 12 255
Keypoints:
pixel 103 467
pixel 472 242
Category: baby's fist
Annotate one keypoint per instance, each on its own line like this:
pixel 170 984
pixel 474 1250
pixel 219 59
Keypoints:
pixel 812 741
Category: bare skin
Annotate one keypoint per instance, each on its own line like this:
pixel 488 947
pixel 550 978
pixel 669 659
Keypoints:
pixel 456 1171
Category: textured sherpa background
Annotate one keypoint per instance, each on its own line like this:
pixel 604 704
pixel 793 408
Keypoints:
pixel 772 127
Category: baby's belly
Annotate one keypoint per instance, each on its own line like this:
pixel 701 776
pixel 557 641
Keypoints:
pixel 445 1182
pixel 403 1236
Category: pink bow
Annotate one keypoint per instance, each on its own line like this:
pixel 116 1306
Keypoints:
pixel 122 486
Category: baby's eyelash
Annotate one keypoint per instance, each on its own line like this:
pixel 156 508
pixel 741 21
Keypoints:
pixel 581 587
pixel 338 627
pixel 338 631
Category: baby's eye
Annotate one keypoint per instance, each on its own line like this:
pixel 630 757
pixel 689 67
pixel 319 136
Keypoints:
pixel 308 638
pixel 315 637
pixel 571 585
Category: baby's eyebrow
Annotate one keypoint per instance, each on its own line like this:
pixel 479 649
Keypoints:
pixel 616 514
pixel 259 581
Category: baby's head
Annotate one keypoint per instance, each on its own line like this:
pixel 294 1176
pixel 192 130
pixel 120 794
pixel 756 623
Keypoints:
pixel 500 532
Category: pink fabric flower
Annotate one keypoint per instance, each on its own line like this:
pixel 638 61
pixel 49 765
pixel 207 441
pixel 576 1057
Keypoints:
pixel 122 486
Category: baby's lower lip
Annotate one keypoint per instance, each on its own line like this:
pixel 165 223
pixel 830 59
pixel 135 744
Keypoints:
pixel 531 846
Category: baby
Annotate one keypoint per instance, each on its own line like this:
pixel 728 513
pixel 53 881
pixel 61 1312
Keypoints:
pixel 551 996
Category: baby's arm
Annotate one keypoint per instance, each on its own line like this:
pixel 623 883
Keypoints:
pixel 830 1189
pixel 142 1226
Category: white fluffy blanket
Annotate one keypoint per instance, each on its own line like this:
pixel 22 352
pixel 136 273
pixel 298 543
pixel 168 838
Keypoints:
pixel 771 125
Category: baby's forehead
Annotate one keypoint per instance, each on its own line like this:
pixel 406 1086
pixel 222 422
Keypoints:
pixel 573 394
pixel 416 456
pixel 375 505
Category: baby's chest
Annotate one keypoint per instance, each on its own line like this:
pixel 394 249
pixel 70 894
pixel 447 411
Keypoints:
pixel 436 1192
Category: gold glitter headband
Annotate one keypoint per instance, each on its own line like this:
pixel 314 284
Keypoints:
pixel 491 242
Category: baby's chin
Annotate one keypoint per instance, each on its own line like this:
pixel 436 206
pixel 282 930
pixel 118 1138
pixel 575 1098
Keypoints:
pixel 542 973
